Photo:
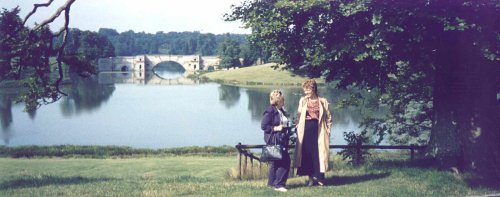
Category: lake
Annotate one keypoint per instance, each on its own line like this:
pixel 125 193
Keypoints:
pixel 154 112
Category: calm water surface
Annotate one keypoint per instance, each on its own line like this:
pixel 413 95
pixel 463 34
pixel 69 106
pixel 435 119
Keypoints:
pixel 113 110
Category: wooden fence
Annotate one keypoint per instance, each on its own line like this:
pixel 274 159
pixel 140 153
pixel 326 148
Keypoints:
pixel 244 152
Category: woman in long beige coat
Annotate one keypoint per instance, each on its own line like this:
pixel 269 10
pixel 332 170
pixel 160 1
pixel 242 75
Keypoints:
pixel 313 135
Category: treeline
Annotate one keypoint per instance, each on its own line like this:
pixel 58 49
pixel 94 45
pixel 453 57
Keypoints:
pixel 233 49
pixel 185 43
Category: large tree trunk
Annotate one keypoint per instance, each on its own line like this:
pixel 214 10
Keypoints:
pixel 479 124
pixel 465 132
pixel 444 144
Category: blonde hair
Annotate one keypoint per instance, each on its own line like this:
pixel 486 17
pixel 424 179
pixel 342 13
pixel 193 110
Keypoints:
pixel 275 96
pixel 311 84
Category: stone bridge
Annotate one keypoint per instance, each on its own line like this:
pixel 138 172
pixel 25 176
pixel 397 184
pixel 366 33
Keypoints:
pixel 143 63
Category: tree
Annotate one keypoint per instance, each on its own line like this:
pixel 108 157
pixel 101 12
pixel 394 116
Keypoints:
pixel 229 53
pixel 436 59
pixel 10 24
pixel 29 50
pixel 108 33
pixel 83 49
pixel 249 54
pixel 206 44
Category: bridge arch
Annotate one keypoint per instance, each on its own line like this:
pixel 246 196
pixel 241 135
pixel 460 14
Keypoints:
pixel 124 68
pixel 168 70
pixel 190 63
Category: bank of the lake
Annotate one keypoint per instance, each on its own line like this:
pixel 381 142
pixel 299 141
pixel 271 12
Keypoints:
pixel 260 75
pixel 104 152
pixel 210 176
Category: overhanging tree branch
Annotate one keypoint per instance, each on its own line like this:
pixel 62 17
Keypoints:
pixel 58 12
pixel 35 7
pixel 65 29
pixel 33 11
pixel 29 50
pixel 60 51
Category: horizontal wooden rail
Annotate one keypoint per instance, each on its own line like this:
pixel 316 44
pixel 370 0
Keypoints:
pixel 243 151
pixel 241 146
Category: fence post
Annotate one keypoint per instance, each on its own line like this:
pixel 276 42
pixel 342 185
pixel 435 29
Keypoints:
pixel 251 167
pixel 260 168
pixel 412 153
pixel 359 156
pixel 239 159
pixel 246 166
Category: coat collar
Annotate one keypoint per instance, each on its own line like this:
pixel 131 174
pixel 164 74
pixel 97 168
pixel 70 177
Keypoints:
pixel 321 105
pixel 271 109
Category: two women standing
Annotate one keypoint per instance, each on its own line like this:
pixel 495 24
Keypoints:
pixel 313 136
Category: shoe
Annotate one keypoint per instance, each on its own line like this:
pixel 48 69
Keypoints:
pixel 281 189
pixel 320 183
pixel 310 183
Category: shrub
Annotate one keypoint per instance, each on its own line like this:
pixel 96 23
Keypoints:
pixel 355 156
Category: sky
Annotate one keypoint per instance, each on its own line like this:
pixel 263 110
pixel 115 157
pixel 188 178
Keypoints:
pixel 150 16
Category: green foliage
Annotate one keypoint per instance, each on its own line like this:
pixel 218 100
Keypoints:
pixel 355 156
pixel 83 49
pixel 385 44
pixel 229 53
pixel 423 56
pixel 205 44
pixel 135 43
pixel 27 56
pixel 9 24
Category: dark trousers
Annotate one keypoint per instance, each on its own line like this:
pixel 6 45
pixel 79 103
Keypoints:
pixel 278 173
pixel 310 153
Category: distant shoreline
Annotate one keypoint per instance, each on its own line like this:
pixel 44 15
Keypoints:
pixel 257 76
pixel 109 151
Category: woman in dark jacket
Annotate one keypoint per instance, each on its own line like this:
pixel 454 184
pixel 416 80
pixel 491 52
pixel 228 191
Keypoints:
pixel 275 126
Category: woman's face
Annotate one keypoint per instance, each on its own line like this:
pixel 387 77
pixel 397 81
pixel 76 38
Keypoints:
pixel 280 103
pixel 308 92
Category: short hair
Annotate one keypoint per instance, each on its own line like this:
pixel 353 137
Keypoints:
pixel 311 83
pixel 275 96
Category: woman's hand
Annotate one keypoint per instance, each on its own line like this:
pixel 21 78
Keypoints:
pixel 278 128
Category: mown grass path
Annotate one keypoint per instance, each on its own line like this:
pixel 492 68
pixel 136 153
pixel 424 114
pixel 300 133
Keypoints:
pixel 207 176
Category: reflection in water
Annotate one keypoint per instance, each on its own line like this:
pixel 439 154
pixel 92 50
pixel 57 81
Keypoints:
pixel 258 100
pixel 84 95
pixel 344 119
pixel 6 112
pixel 155 116
pixel 147 78
pixel 229 95
pixel 6 119
pixel 169 70
pixel 32 114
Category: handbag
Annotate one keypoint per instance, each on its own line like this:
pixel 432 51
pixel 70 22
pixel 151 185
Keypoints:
pixel 271 152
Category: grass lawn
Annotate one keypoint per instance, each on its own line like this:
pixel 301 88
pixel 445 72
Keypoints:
pixel 257 75
pixel 208 176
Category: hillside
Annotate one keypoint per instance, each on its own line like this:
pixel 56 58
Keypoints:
pixel 257 75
